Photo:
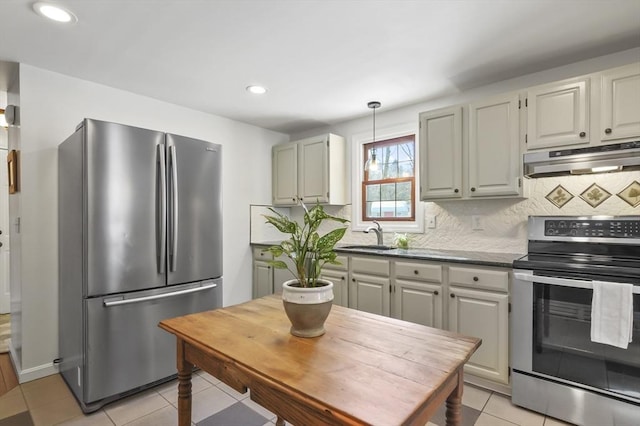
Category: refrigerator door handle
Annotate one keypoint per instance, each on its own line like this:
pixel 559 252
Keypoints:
pixel 174 206
pixel 157 296
pixel 162 224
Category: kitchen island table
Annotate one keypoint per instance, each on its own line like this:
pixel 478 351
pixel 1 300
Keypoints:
pixel 366 369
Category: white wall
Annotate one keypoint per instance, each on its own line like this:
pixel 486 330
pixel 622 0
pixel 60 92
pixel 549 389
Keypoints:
pixel 504 220
pixel 51 106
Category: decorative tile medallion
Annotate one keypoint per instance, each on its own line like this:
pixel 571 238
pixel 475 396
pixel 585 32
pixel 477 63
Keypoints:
pixel 595 195
pixel 631 194
pixel 559 196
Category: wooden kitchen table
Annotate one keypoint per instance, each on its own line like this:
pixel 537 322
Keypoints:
pixel 366 368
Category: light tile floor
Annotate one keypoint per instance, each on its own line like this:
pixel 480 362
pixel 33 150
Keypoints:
pixel 48 401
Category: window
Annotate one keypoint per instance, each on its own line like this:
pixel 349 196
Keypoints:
pixel 388 188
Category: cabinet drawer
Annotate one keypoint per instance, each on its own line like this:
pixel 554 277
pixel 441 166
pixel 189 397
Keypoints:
pixel 480 278
pixel 370 266
pixel 419 271
pixel 344 264
pixel 258 254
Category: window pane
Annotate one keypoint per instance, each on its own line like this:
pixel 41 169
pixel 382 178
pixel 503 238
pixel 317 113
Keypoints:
pixel 403 191
pixel 388 192
pixel 405 169
pixel 373 209
pixel 403 208
pixel 375 174
pixel 406 152
pixel 373 193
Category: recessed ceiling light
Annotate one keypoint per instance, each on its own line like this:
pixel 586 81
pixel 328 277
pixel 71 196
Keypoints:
pixel 54 12
pixel 257 90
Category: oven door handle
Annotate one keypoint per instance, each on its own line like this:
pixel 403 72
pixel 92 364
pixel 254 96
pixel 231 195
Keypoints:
pixel 525 276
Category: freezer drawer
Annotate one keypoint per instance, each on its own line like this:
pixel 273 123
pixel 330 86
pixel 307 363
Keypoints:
pixel 125 349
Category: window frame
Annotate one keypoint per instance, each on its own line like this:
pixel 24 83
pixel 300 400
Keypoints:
pixel 357 173
pixel 381 144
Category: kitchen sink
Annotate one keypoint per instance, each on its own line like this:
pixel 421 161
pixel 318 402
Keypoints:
pixel 368 247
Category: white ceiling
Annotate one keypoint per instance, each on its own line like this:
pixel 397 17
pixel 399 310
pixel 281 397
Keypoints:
pixel 322 61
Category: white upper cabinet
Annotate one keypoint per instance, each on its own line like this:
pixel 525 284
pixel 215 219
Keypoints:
pixel 620 104
pixel 285 174
pixel 471 151
pixel 441 154
pixel 493 146
pixel 558 114
pixel 310 170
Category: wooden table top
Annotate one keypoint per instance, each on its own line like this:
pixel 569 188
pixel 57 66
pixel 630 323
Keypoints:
pixel 369 368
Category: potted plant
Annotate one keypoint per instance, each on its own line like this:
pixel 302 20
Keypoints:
pixel 307 299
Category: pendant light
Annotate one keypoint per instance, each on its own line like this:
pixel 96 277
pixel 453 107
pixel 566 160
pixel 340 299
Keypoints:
pixel 372 163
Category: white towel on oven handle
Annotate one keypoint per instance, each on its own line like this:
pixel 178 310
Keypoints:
pixel 612 313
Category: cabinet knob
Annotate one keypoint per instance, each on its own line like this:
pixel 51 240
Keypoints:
pixel 342 278
pixel 435 292
pixel 353 279
pixel 475 278
pixel 473 189
pixel 607 130
pixel 293 199
pixel 583 134
pixel 415 272
pixel 456 190
pixel 452 295
pixel 268 267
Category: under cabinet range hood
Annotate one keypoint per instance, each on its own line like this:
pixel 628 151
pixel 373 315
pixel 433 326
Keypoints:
pixel 577 161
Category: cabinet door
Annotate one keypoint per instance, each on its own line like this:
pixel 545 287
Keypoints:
pixel 284 183
pixel 484 315
pixel 441 154
pixel 558 114
pixel 620 103
pixel 313 163
pixel 494 148
pixel 262 279
pixel 418 302
pixel 340 288
pixel 370 294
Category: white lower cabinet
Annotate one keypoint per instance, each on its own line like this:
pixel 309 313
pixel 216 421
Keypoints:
pixel 339 276
pixel 470 300
pixel 417 293
pixel 479 307
pixel 370 285
pixel 262 279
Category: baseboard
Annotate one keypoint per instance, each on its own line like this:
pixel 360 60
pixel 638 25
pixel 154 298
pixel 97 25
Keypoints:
pixel 488 384
pixel 32 373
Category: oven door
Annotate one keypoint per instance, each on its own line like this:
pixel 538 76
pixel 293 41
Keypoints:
pixel 556 369
pixel 553 337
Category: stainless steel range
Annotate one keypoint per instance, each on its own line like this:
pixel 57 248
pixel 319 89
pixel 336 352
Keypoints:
pixel 556 368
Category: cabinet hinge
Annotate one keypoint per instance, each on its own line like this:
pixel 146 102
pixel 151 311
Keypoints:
pixel 509 371
pixel 519 182
pixel 420 125
pixel 390 289
pixel 526 138
pixel 519 104
pixel 327 194
pixel 526 102
pixel 509 307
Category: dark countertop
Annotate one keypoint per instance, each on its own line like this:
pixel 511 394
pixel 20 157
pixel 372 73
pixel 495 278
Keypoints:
pixel 503 260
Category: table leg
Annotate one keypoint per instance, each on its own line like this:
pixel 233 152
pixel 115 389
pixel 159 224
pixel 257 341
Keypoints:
pixel 454 403
pixel 184 387
pixel 279 421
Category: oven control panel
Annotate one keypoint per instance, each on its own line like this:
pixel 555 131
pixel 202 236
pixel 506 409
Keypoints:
pixel 592 228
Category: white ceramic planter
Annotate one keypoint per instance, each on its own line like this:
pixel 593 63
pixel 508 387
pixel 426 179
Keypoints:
pixel 307 307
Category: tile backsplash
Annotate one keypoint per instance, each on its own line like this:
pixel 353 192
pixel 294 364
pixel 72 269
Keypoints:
pixel 503 221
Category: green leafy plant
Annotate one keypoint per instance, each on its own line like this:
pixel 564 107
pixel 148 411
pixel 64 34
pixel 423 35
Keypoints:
pixel 307 249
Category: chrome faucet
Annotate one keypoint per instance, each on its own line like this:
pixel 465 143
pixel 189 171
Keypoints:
pixel 378 230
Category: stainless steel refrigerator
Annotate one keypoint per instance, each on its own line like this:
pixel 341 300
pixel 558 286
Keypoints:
pixel 140 240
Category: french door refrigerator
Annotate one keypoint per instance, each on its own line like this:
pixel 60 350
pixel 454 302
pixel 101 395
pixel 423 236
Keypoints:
pixel 140 240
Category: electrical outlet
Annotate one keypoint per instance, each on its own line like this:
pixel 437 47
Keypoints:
pixel 476 223
pixel 431 221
